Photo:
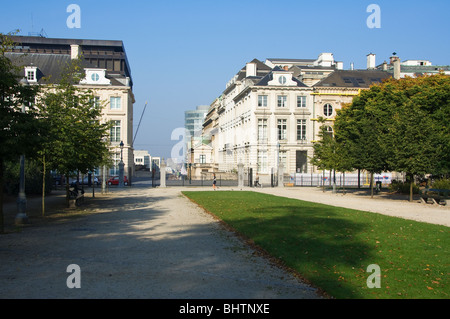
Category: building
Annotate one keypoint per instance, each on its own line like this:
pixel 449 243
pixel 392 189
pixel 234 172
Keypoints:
pixel 411 68
pixel 267 115
pixel 193 123
pixel 142 160
pixel 108 75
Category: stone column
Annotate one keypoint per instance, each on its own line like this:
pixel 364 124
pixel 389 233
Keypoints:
pixel 162 174
pixel 240 175
pixel 280 175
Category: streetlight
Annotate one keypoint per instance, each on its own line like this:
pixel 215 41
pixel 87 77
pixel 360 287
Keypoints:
pixel 21 217
pixel 121 166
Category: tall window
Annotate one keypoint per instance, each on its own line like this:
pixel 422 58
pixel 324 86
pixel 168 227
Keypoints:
pixel 282 101
pixel 115 132
pixel 327 109
pixel 301 101
pixel 262 130
pixel 114 170
pixel 262 161
pixel 301 130
pixel 262 100
pixel 116 103
pixel 282 129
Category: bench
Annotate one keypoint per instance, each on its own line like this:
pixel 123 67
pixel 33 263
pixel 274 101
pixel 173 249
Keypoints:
pixel 76 199
pixel 436 196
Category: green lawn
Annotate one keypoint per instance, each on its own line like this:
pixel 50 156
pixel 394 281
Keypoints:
pixel 332 247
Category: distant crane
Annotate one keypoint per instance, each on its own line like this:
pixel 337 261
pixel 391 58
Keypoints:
pixel 137 130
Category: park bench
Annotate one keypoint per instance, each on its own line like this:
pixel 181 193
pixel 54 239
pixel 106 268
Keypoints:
pixel 76 198
pixel 435 196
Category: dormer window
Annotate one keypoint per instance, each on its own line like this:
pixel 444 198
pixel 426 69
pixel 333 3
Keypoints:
pixel 96 77
pixel 31 73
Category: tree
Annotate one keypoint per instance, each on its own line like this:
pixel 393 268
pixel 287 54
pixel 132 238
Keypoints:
pixel 19 126
pixel 77 140
pixel 399 125
pixel 418 134
pixel 329 153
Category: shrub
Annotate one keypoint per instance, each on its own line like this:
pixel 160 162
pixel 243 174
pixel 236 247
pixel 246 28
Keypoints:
pixel 402 187
pixel 441 184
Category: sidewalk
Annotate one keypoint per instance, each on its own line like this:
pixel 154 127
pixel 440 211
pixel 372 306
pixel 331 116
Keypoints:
pixel 139 243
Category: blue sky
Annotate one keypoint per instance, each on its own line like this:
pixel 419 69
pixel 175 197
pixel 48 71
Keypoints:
pixel 182 53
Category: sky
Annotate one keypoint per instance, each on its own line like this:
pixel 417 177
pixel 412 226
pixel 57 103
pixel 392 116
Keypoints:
pixel 182 53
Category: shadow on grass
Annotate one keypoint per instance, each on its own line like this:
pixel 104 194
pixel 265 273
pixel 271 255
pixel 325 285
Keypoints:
pixel 324 244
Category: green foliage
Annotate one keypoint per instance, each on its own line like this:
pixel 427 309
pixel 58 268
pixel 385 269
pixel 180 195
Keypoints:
pixel 402 187
pixel 332 246
pixel 441 184
pixel 33 178
pixel 76 140
pixel 399 125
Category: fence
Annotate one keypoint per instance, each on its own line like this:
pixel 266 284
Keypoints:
pixel 342 180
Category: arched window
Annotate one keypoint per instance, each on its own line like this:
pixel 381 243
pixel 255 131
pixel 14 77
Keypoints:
pixel 328 109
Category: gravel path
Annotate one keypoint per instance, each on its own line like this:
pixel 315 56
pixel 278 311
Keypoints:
pixel 387 204
pixel 140 243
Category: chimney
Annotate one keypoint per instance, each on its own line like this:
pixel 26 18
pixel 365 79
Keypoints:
pixel 75 51
pixel 251 69
pixel 352 66
pixel 339 65
pixel 395 62
pixel 371 64
pixel 385 66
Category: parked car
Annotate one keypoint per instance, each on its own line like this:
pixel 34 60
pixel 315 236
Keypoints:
pixel 115 180
pixel 85 181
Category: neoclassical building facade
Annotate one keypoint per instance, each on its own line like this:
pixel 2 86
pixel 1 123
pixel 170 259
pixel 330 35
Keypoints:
pixel 268 113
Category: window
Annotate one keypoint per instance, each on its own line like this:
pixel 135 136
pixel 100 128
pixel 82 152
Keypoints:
pixel 301 101
pixel 262 100
pixel 282 130
pixel 115 132
pixel 329 131
pixel 282 159
pixel 31 75
pixel 114 170
pixel 301 130
pixel 116 103
pixel 282 80
pixel 282 100
pixel 262 161
pixel 327 109
pixel 202 159
pixel 95 102
pixel 262 130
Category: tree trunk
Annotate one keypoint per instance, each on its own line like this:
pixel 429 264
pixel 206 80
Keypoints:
pixel 411 183
pixel 371 184
pixel 67 191
pixel 2 225
pixel 43 187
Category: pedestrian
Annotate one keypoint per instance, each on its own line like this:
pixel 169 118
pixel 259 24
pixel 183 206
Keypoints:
pixel 214 181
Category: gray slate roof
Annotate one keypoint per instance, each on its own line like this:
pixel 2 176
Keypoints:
pixel 353 78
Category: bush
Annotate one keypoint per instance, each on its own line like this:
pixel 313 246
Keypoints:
pixel 33 178
pixel 402 187
pixel 441 184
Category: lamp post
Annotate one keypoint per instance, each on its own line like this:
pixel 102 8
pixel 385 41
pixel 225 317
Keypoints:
pixel 121 166
pixel 21 217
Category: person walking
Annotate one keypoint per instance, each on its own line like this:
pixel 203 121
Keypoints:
pixel 214 181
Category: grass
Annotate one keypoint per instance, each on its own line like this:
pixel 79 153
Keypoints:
pixel 332 247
